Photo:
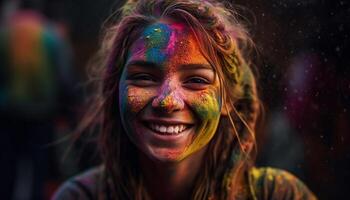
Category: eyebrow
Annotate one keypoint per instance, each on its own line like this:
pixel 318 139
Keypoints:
pixel 184 67
pixel 143 63
pixel 195 66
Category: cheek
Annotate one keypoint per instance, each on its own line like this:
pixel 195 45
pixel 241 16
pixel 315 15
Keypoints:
pixel 134 99
pixel 206 105
pixel 207 108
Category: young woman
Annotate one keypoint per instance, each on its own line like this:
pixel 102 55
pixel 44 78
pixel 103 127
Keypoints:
pixel 177 110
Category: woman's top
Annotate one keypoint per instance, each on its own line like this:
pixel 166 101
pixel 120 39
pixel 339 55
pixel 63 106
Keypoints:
pixel 264 184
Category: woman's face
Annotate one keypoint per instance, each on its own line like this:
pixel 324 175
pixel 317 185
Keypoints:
pixel 170 102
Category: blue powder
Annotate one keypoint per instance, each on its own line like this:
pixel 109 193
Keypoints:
pixel 156 38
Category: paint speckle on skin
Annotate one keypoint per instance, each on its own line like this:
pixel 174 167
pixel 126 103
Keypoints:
pixel 157 39
pixel 170 99
pixel 169 102
pixel 208 109
pixel 207 105
pixel 158 34
pixel 160 41
pixel 135 102
pixel 135 99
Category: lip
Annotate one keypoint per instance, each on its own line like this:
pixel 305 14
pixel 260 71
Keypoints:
pixel 167 122
pixel 167 137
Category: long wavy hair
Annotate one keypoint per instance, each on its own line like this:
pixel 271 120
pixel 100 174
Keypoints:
pixel 225 42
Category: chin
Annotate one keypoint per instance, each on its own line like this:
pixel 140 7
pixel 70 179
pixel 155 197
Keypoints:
pixel 164 154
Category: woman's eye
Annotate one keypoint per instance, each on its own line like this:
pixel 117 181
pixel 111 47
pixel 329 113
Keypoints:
pixel 196 83
pixel 198 80
pixel 142 79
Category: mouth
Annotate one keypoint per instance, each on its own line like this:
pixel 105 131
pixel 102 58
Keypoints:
pixel 167 128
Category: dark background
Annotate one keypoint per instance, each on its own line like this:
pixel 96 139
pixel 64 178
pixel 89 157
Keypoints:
pixel 302 61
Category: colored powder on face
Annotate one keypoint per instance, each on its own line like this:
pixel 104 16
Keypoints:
pixel 171 102
pixel 133 99
pixel 208 109
pixel 207 105
pixel 156 55
pixel 157 38
pixel 169 99
pixel 186 49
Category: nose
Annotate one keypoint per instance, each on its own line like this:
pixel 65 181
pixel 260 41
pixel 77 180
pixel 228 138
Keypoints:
pixel 169 100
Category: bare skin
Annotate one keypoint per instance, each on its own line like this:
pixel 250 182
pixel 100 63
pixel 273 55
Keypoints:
pixel 171 181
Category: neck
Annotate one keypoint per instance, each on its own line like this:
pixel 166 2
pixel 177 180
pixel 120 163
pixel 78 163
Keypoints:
pixel 171 180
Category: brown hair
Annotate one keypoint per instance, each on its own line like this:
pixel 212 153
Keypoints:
pixel 224 42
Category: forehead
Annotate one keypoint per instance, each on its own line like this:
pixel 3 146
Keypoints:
pixel 160 42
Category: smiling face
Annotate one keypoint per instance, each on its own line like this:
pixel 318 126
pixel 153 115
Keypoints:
pixel 169 94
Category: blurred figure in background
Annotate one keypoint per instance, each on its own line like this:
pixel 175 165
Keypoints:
pixel 36 80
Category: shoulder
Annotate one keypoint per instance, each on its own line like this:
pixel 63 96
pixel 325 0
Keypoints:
pixel 276 184
pixel 81 187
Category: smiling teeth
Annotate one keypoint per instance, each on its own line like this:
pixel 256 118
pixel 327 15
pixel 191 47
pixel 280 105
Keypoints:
pixel 174 129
